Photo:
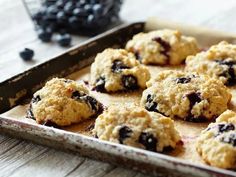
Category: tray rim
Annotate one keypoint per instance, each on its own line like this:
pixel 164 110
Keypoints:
pixel 8 124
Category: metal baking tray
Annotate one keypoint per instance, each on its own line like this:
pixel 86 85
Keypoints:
pixel 18 89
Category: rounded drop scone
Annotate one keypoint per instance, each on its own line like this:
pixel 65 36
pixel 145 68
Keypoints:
pixel 134 126
pixel 217 143
pixel 62 102
pixel 162 47
pixel 118 70
pixel 219 61
pixel 187 96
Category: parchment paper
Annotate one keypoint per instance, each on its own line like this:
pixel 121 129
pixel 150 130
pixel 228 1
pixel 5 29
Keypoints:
pixel 188 131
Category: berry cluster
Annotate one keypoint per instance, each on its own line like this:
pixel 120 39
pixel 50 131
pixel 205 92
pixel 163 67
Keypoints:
pixel 74 16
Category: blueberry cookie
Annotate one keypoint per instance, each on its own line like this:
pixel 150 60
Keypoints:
pixel 217 143
pixel 116 70
pixel 218 62
pixel 134 126
pixel 62 102
pixel 162 47
pixel 188 96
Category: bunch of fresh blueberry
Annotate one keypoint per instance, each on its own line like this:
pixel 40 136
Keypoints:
pixel 74 16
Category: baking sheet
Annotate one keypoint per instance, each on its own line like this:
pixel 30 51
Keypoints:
pixel 189 131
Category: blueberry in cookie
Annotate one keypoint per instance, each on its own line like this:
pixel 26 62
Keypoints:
pixel 134 126
pixel 217 143
pixel 219 61
pixel 162 47
pixel 187 96
pixel 62 102
pixel 117 70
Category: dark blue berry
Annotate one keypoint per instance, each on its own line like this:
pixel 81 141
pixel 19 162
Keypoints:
pixel 92 102
pixel 100 85
pixel 69 7
pixel 29 113
pixel 76 95
pixel 74 22
pixel 148 141
pixel 151 105
pixel 225 127
pixel 79 12
pixel 230 139
pixel 88 8
pixel 165 46
pixel 27 54
pixel 61 17
pixel 118 66
pixel 45 35
pixel 129 82
pixel 124 132
pixel 97 9
pixel 183 80
pixel 64 40
pixel 91 20
pixel 60 4
pixel 229 73
pixel 194 98
pixel 36 99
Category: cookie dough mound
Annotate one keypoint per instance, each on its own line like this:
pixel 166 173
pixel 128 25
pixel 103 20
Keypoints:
pixel 219 61
pixel 162 47
pixel 134 126
pixel 62 102
pixel 188 96
pixel 217 143
pixel 116 70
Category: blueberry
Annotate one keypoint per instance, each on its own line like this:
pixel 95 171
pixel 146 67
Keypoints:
pixel 44 35
pixel 88 8
pixel 49 123
pixel 64 40
pixel 194 98
pixel 230 139
pixel 74 22
pixel 60 4
pixel 124 132
pixel 92 102
pixel 79 12
pixel 183 80
pixel 91 20
pixel 29 113
pixel 118 66
pixel 165 45
pixel 100 85
pixel 97 9
pixel 81 2
pixel 27 54
pixel 94 1
pixel 129 82
pixel 38 16
pixel 36 99
pixel 61 17
pixel 76 95
pixel 229 73
pixel 52 10
pixel 226 62
pixel 137 55
pixel 148 141
pixel 150 104
pixel 225 127
pixel 69 7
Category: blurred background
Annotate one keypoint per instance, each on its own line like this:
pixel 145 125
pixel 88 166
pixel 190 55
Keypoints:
pixel 18 32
